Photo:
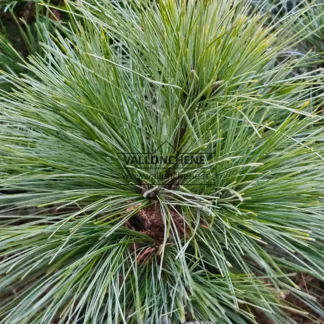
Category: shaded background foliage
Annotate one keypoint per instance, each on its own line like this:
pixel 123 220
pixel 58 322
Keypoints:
pixel 24 27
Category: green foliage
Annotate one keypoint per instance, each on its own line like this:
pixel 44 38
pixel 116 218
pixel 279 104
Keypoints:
pixel 87 238
pixel 311 27
pixel 24 29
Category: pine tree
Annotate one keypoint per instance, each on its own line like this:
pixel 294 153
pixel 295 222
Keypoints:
pixel 158 164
